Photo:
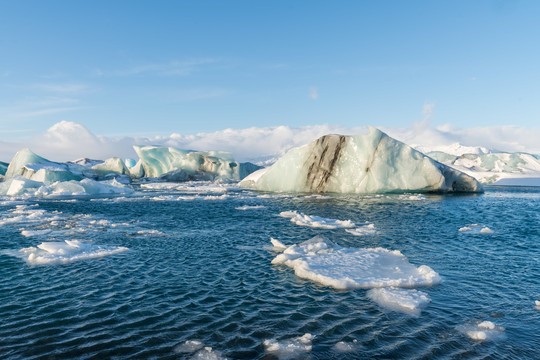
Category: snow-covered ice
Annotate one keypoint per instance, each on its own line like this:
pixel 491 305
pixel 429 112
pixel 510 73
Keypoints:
pixel 326 263
pixel 409 301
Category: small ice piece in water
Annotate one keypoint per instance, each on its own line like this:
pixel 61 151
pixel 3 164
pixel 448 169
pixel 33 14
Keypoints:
pixel 408 301
pixel 289 349
pixel 278 245
pixel 316 221
pixel 62 252
pixel 537 305
pixel 189 346
pixel 476 229
pixel 482 331
pixel 29 233
pixel 321 261
pixel 343 346
pixel 208 354
pixel 365 230
pixel 248 207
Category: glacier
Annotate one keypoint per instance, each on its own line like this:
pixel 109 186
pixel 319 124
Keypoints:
pixel 368 163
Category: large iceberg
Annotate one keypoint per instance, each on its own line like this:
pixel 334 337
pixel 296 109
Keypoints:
pixel 184 165
pixel 33 167
pixel 370 163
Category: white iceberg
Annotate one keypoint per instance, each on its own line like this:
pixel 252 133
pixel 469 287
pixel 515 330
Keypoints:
pixel 370 163
pixel 326 263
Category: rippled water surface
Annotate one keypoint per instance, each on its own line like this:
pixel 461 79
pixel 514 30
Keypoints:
pixel 197 273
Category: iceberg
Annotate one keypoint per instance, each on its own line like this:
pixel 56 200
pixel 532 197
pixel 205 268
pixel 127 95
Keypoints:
pixel 370 163
pixel 113 165
pixel 498 168
pixel 184 165
pixel 33 167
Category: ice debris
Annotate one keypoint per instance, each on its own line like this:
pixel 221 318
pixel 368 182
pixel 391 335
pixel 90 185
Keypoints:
pixel 291 348
pixel 61 252
pixel 316 221
pixel 482 331
pixel 476 229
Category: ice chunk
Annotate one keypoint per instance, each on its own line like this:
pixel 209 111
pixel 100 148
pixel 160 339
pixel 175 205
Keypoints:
pixel 289 349
pixel 316 221
pixel 407 301
pixel 537 305
pixel 252 207
pixel 29 233
pixel 189 346
pixel 277 245
pixel 113 165
pixel 208 354
pixel 321 261
pixel 476 229
pixel 371 163
pixel 184 165
pixel 364 230
pixel 344 347
pixel 61 252
pixel 482 331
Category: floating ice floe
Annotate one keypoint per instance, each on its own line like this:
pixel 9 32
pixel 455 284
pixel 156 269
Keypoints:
pixel 409 301
pixel 412 197
pixel 476 229
pixel 289 349
pixel 482 331
pixel 316 221
pixel 326 263
pixel 344 347
pixel 537 305
pixel 61 252
pixel 189 346
pixel 364 230
pixel 361 164
pixel 208 354
pixel 251 207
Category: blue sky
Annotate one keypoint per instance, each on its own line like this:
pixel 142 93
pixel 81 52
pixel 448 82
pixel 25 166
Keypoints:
pixel 148 68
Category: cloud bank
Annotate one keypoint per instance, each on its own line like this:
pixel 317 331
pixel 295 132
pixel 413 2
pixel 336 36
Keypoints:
pixel 68 140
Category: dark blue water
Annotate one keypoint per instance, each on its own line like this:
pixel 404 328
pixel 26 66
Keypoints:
pixel 199 269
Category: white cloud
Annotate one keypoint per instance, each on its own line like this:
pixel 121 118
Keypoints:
pixel 313 93
pixel 68 141
pixel 172 68
pixel 427 110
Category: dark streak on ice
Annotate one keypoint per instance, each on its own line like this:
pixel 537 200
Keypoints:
pixel 322 160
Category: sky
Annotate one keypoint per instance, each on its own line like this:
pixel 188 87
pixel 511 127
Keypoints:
pixel 141 71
